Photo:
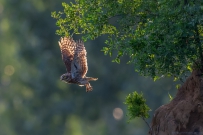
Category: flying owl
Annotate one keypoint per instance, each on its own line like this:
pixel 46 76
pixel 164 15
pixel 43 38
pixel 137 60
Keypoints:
pixel 74 56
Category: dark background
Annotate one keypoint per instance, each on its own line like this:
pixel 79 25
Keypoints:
pixel 33 101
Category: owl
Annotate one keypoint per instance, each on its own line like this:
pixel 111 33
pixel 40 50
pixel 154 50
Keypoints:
pixel 74 56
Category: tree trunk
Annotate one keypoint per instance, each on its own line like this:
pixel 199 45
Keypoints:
pixel 184 114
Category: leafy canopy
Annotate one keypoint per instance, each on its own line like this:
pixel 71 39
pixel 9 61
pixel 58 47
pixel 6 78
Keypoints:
pixel 161 37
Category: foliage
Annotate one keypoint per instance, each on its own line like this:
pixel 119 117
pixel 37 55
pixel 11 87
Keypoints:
pixel 137 106
pixel 160 37
pixel 170 97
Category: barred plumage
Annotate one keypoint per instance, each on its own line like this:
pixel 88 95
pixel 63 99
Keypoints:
pixel 74 57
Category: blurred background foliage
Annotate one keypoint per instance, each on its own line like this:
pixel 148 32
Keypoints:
pixel 34 101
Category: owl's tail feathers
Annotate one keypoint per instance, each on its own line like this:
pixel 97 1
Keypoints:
pixel 91 79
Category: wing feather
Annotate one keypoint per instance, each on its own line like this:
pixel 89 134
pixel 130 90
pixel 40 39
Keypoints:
pixel 80 59
pixel 68 47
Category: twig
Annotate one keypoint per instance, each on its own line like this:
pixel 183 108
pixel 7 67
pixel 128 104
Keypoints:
pixel 146 123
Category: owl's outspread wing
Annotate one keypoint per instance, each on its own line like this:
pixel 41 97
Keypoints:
pixel 74 56
pixel 80 59
pixel 67 46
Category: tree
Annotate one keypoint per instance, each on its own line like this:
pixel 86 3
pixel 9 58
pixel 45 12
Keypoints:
pixel 161 38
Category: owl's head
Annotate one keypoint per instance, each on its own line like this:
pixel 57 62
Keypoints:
pixel 66 77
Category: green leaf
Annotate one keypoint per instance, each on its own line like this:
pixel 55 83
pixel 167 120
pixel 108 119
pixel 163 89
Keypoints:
pixel 171 98
pixel 178 86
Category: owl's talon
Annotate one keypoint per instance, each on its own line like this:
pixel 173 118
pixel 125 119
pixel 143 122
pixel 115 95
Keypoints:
pixel 88 88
